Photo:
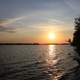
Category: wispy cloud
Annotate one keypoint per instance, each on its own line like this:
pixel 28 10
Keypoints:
pixel 5 24
pixel 7 29
pixel 73 4
pixel 9 21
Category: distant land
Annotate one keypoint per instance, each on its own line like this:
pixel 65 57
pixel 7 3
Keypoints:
pixel 34 43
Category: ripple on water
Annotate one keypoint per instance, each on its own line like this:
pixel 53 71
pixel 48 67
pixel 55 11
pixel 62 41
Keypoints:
pixel 39 62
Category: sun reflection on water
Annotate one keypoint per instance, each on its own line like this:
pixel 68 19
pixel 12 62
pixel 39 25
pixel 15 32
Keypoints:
pixel 51 60
pixel 52 51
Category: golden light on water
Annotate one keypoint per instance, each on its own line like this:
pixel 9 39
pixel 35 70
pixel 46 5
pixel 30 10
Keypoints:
pixel 51 55
pixel 52 61
pixel 52 51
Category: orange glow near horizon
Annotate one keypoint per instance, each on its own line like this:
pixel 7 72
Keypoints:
pixel 51 37
pixel 42 37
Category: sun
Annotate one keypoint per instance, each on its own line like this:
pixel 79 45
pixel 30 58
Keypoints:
pixel 51 36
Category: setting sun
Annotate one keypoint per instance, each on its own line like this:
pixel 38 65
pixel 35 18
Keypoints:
pixel 51 36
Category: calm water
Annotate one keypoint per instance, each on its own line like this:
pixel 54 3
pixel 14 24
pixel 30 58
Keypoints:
pixel 35 62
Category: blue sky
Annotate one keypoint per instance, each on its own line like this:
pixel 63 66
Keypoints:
pixel 20 19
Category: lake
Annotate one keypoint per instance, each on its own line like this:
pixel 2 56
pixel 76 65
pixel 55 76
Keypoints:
pixel 36 62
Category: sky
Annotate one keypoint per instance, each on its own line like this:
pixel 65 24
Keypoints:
pixel 32 20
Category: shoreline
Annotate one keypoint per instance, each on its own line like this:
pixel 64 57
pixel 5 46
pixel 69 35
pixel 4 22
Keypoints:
pixel 33 44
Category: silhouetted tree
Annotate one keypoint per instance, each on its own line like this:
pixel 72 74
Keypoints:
pixel 69 40
pixel 76 36
pixel 75 72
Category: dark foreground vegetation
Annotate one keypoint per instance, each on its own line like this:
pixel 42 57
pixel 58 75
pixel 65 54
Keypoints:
pixel 74 74
pixel 76 36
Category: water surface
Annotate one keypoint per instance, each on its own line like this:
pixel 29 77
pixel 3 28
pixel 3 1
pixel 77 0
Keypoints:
pixel 35 62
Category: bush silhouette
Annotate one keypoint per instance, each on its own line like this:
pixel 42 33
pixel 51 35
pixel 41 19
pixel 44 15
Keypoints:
pixel 76 35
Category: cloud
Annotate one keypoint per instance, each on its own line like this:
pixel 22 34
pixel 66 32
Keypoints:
pixel 9 21
pixel 7 29
pixel 5 25
pixel 73 4
pixel 3 21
